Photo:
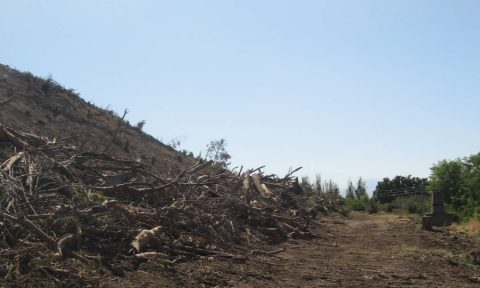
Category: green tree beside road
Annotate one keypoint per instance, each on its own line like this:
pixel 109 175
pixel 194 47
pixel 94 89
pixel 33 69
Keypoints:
pixel 460 181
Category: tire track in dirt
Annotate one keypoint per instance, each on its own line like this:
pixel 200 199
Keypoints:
pixel 379 251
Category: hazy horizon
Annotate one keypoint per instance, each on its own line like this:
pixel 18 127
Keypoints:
pixel 342 88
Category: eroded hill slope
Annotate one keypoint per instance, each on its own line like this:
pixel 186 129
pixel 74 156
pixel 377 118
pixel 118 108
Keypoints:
pixel 43 107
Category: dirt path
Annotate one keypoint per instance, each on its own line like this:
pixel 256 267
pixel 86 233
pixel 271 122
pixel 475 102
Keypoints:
pixel 361 251
pixel 383 251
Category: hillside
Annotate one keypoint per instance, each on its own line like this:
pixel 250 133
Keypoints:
pixel 43 107
pixel 87 199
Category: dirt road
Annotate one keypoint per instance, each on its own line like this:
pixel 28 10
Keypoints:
pixel 359 251
pixel 383 251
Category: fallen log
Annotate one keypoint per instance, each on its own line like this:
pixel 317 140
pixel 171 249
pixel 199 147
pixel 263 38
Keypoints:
pixel 258 185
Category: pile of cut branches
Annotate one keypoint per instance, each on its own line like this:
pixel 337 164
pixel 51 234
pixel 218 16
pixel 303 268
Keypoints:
pixel 69 216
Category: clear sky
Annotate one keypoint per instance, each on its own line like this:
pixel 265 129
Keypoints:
pixel 342 88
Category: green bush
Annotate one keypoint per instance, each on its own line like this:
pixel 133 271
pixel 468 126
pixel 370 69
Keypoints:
pixel 412 205
pixel 459 180
pixel 373 206
pixel 47 84
pixel 387 207
pixel 140 125
pixel 361 204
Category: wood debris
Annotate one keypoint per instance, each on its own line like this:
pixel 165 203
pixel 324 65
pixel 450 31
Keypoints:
pixel 58 207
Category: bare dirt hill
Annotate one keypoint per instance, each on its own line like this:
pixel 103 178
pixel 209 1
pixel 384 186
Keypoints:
pixel 45 108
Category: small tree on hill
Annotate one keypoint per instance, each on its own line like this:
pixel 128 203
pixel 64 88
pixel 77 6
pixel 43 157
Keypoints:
pixel 140 125
pixel 217 153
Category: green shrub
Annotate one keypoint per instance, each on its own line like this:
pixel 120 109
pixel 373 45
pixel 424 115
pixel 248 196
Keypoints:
pixel 412 205
pixel 373 206
pixel 459 180
pixel 361 204
pixel 140 125
pixel 47 84
pixel 386 207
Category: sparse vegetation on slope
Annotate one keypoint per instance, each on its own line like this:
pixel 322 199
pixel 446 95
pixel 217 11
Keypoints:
pixel 61 113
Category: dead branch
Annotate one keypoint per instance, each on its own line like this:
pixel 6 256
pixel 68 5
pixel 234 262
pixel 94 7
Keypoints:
pixel 254 170
pixel 261 252
pixel 261 188
pixel 290 173
pixel 7 165
pixel 6 134
pixel 31 227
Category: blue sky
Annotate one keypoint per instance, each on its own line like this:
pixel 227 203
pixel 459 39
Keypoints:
pixel 342 88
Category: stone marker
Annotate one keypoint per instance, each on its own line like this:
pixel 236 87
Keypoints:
pixel 438 217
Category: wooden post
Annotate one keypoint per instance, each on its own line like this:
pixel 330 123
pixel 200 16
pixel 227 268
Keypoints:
pixel 438 202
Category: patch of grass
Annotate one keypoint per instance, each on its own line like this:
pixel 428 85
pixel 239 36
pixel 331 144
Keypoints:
pixel 96 197
pixel 424 254
pixel 471 227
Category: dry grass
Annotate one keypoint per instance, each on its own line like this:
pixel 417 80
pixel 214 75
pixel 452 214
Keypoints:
pixel 472 227
pixel 436 254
